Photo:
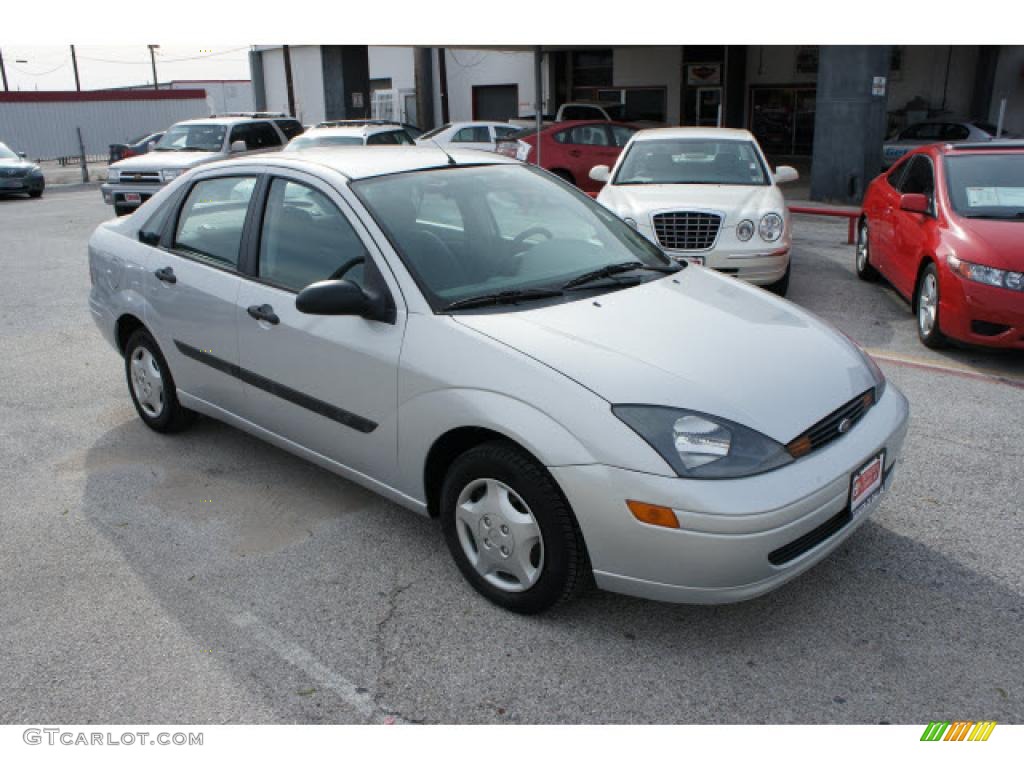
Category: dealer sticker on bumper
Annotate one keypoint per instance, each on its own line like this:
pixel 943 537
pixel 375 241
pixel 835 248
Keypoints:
pixel 866 483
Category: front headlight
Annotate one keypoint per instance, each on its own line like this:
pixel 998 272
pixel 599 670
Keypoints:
pixel 169 174
pixel 35 170
pixel 631 222
pixel 771 226
pixel 979 273
pixel 745 230
pixel 113 175
pixel 702 446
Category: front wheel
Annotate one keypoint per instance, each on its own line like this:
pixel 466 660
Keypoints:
pixel 781 286
pixel 511 531
pixel 152 387
pixel 36 193
pixel 928 309
pixel 862 260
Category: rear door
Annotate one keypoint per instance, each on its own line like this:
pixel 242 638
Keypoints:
pixel 193 288
pixel 329 384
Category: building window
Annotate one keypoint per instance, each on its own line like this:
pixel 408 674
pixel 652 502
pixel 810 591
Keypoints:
pixel 591 68
pixel 807 60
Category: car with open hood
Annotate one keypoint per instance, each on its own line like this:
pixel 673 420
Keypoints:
pixel 482 343
pixel 705 195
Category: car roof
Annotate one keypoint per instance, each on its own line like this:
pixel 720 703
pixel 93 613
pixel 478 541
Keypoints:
pixel 652 134
pixel 351 130
pixel 980 147
pixel 366 162
pixel 231 120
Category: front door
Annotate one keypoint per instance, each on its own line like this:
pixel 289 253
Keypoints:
pixel 193 286
pixel 709 106
pixel 911 230
pixel 327 383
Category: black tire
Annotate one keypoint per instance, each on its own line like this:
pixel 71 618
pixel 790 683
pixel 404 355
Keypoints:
pixel 781 286
pixel 172 416
pixel 36 193
pixel 564 571
pixel 122 210
pixel 926 295
pixel 862 258
pixel 564 176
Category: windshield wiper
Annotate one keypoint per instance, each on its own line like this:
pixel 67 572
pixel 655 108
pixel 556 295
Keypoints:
pixel 503 297
pixel 615 269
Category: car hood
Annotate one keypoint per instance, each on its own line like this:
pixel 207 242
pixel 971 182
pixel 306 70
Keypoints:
pixel 15 163
pixel 993 243
pixel 696 340
pixel 156 161
pixel 639 200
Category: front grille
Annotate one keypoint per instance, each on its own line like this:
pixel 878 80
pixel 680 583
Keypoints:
pixel 832 426
pixel 687 230
pixel 139 177
pixel 13 173
pixel 811 539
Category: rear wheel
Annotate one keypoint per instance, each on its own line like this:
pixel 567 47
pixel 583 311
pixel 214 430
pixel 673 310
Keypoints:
pixel 928 308
pixel 152 386
pixel 862 260
pixel 510 530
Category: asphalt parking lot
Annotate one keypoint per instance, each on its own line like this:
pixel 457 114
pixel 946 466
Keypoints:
pixel 209 577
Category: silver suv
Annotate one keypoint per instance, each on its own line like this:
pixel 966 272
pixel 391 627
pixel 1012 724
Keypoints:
pixel 190 143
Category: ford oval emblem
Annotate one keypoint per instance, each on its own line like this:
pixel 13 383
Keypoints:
pixel 844 425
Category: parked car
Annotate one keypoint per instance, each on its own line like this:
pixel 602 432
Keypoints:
pixel 19 174
pixel 571 149
pixel 478 342
pixel 137 146
pixel 944 227
pixel 413 131
pixel 574 110
pixel 473 135
pixel 706 195
pixel 932 131
pixel 188 144
pixel 351 135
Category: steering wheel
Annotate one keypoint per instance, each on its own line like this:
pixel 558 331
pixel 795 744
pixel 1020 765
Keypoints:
pixel 336 274
pixel 516 245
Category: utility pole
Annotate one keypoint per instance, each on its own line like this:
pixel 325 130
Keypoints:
pixel 442 73
pixel 74 66
pixel 3 71
pixel 152 61
pixel 288 79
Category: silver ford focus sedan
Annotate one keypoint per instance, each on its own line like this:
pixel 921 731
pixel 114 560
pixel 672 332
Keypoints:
pixel 480 342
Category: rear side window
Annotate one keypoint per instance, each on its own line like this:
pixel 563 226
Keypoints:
pixel 256 135
pixel 474 133
pixel 401 137
pixel 382 138
pixel 212 218
pixel 591 135
pixel 290 128
pixel 505 131
pixel 954 132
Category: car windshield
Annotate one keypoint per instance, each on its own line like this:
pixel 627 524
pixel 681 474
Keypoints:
pixel 6 154
pixel 469 232
pixel 989 186
pixel 196 137
pixel 433 133
pixel 305 142
pixel 692 161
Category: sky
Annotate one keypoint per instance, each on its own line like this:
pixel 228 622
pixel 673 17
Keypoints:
pixel 48 67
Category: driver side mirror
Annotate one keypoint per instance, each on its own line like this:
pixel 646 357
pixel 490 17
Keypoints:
pixel 150 145
pixel 23 156
pixel 239 146
pixel 600 173
pixel 343 297
pixel 786 173
pixel 915 203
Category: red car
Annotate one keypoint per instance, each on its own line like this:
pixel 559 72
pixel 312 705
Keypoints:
pixel 945 226
pixel 571 148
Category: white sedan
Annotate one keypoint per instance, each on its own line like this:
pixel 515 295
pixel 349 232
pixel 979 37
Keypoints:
pixel 705 195
pixel 475 135
pixel 351 136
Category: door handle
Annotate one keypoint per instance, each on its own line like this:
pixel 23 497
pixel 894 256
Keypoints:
pixel 166 275
pixel 263 312
pixel 575 152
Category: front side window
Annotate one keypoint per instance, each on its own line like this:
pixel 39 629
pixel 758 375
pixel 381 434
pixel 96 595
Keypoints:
pixel 692 161
pixel 305 238
pixel 988 186
pixel 195 137
pixel 212 218
pixel 466 232
pixel 473 133
pixel 919 178
pixel 401 137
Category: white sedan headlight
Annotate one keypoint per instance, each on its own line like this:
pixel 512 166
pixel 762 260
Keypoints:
pixel 169 174
pixel 745 230
pixel 771 227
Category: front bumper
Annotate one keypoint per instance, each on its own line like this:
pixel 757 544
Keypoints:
pixel 981 314
pixel 21 184
pixel 755 261
pixel 728 528
pixel 115 194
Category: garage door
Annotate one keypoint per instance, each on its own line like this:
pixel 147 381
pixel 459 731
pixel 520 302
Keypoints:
pixel 495 102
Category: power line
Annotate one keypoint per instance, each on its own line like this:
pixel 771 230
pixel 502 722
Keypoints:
pixel 165 60
pixel 39 74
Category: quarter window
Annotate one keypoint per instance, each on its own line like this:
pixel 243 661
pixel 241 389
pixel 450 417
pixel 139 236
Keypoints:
pixel 305 238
